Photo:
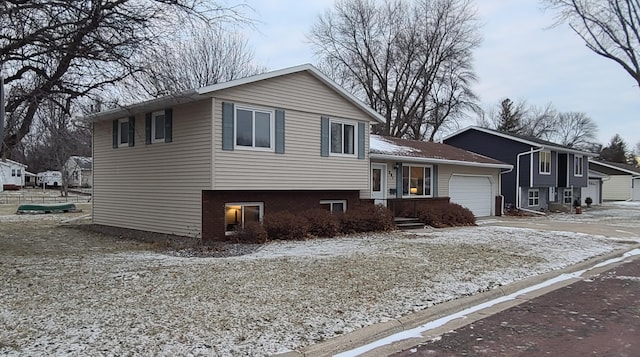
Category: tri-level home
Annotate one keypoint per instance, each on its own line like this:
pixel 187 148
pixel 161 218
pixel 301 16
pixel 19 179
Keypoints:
pixel 207 161
pixel 543 172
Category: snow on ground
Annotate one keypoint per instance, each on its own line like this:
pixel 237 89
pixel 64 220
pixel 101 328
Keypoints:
pixel 113 299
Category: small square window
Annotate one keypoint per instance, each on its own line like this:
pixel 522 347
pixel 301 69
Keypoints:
pixel 567 197
pixel 534 197
pixel 236 215
pixel 254 128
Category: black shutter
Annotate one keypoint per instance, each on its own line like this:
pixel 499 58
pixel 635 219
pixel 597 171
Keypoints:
pixel 227 126
pixel 132 130
pixel 115 134
pixel 168 125
pixel 147 128
pixel 324 136
pixel 361 134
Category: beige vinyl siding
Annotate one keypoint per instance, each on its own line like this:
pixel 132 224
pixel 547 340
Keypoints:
pixel 304 100
pixel 155 187
pixel 446 171
pixel 617 188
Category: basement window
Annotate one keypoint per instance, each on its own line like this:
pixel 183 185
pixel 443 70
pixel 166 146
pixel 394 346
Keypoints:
pixel 236 215
pixel 334 205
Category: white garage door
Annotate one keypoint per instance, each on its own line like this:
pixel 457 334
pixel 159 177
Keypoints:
pixel 593 191
pixel 472 192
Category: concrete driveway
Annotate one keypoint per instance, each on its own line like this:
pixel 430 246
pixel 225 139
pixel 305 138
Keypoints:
pixel 612 219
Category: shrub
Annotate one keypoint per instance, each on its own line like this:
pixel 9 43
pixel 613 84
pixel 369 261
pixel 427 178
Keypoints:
pixel 285 226
pixel 447 215
pixel 588 201
pixel 253 232
pixel 366 218
pixel 322 223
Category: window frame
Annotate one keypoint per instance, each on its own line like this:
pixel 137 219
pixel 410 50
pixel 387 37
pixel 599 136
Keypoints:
pixel 580 159
pixel 243 205
pixel 570 197
pixel 18 172
pixel 354 139
pixel 272 130
pixel 416 195
pixel 533 197
pixel 332 202
pixel 120 143
pixel 154 116
pixel 13 172
pixel 542 163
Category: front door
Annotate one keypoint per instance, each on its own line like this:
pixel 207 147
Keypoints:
pixel 379 184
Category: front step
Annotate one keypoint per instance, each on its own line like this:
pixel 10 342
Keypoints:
pixel 408 223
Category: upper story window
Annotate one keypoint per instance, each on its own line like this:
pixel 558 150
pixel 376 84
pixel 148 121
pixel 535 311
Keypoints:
pixel 254 128
pixel 416 181
pixel 123 132
pixel 158 127
pixel 342 138
pixel 578 165
pixel 545 162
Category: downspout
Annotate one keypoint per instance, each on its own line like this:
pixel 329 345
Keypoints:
pixel 500 189
pixel 530 152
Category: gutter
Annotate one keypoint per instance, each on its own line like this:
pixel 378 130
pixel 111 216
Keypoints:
pixel 518 206
pixel 438 161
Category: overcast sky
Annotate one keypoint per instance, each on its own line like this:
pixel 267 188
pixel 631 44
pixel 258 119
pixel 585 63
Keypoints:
pixel 520 58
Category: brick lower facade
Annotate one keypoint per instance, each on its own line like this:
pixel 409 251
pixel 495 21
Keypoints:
pixel 213 205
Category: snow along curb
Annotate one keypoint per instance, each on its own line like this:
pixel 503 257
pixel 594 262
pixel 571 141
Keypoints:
pixel 369 334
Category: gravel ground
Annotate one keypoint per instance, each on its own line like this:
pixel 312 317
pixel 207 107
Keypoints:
pixel 68 291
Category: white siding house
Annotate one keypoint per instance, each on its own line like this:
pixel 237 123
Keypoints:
pixel 208 160
pixel 78 171
pixel 12 174
pixel 620 182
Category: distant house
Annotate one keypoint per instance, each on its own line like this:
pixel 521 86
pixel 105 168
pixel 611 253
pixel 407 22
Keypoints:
pixel 207 161
pixel 79 171
pixel 594 188
pixel 622 182
pixel 408 173
pixel 12 174
pixel 544 172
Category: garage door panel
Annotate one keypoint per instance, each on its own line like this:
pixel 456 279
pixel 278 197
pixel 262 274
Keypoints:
pixel 472 192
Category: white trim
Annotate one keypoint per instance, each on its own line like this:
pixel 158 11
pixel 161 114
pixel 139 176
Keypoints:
pixel 154 115
pixel 243 204
pixel 331 202
pixel 383 181
pixel 272 128
pixel 120 121
pixel 524 141
pixel 431 180
pixel 540 162
pixel 633 173
pixel 575 158
pixel 344 122
pixel 570 190
pixel 529 198
pixel 204 92
pixel 426 160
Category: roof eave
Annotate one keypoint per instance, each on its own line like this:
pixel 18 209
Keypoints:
pixel 146 106
pixel 427 160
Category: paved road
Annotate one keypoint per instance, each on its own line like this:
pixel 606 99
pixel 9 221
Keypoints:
pixel 595 317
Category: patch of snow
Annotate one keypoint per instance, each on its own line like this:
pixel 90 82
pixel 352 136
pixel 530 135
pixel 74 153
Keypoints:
pixel 379 144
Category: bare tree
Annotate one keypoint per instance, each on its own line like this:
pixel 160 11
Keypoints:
pixel 575 130
pixel 58 50
pixel 572 129
pixel 206 56
pixel 610 28
pixel 411 61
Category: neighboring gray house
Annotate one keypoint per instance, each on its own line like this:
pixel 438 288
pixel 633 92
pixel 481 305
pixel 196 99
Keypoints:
pixel 78 171
pixel 205 162
pixel 622 182
pixel 544 172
